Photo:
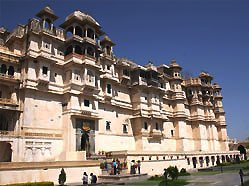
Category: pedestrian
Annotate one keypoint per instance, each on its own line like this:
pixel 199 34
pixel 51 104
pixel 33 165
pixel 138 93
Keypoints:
pixel 85 178
pixel 114 164
pixel 118 166
pixel 138 166
pixel 133 171
pixel 93 178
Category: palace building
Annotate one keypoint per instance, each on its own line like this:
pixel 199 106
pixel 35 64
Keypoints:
pixel 65 96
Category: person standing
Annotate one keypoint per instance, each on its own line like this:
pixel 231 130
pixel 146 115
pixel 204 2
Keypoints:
pixel 138 166
pixel 114 167
pixel 93 178
pixel 85 178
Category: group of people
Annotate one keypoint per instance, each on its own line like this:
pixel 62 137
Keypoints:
pixel 135 166
pixel 93 179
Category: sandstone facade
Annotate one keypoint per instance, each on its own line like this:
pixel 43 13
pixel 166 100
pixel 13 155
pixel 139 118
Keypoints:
pixel 57 83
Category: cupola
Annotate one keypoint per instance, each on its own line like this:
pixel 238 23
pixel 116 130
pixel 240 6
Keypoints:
pixel 107 44
pixel 48 17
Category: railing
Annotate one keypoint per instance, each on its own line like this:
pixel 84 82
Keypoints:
pixel 192 81
pixel 6 133
pixel 6 76
pixel 18 32
pixel 35 26
pixel 7 101
pixel 79 56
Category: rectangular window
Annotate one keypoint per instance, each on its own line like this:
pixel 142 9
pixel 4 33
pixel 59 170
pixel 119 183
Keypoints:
pixel 45 70
pixel 145 126
pixel 109 88
pixel 157 126
pixel 86 103
pixel 108 67
pixel 0 94
pixel 172 133
pixel 125 128
pixel 108 126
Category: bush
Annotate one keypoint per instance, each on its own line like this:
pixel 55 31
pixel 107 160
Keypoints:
pixel 102 165
pixel 156 177
pixel 173 172
pixel 183 172
pixel 62 177
pixel 33 184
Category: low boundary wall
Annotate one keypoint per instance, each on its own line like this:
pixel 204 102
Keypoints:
pixel 21 172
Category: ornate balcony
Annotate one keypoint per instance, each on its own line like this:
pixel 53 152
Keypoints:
pixel 8 104
pixel 155 134
pixel 89 84
pixel 6 101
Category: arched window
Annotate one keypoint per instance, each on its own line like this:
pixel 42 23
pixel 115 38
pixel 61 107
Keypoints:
pixel 90 51
pixel 3 69
pixel 69 50
pixel 108 50
pixel 90 76
pixel 11 71
pixel 78 31
pixel 90 33
pixel 69 32
pixel 77 49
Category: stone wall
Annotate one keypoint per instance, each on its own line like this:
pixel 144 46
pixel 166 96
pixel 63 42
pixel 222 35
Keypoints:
pixel 46 171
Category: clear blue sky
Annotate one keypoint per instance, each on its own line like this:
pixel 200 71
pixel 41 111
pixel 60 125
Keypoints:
pixel 209 35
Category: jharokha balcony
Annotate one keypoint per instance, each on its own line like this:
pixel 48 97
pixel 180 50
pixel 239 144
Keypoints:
pixel 71 56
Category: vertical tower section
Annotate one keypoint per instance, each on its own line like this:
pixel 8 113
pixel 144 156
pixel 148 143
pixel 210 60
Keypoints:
pixel 220 118
pixel 179 115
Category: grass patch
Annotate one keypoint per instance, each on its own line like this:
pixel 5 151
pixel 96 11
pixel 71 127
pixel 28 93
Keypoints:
pixel 178 182
pixel 201 182
pixel 205 173
pixel 33 184
pixel 246 183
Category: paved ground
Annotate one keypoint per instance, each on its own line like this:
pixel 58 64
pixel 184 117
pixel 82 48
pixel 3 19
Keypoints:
pixel 225 179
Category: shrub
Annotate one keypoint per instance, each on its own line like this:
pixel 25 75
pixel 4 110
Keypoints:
pixel 183 172
pixel 62 177
pixel 33 184
pixel 173 172
pixel 102 165
pixel 156 177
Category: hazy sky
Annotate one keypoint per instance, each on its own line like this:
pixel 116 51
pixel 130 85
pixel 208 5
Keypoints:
pixel 202 35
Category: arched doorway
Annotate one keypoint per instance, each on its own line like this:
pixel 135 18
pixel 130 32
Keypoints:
pixel 194 162
pixel 85 136
pixel 6 148
pixel 207 160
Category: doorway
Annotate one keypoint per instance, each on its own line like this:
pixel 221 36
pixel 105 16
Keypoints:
pixel 85 136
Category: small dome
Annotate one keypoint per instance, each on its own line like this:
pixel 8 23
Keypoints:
pixel 216 86
pixel 106 39
pixel 205 75
pixel 173 64
pixel 82 16
pixel 47 11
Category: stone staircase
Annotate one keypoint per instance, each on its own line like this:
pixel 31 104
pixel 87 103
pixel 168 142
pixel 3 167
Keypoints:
pixel 122 178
